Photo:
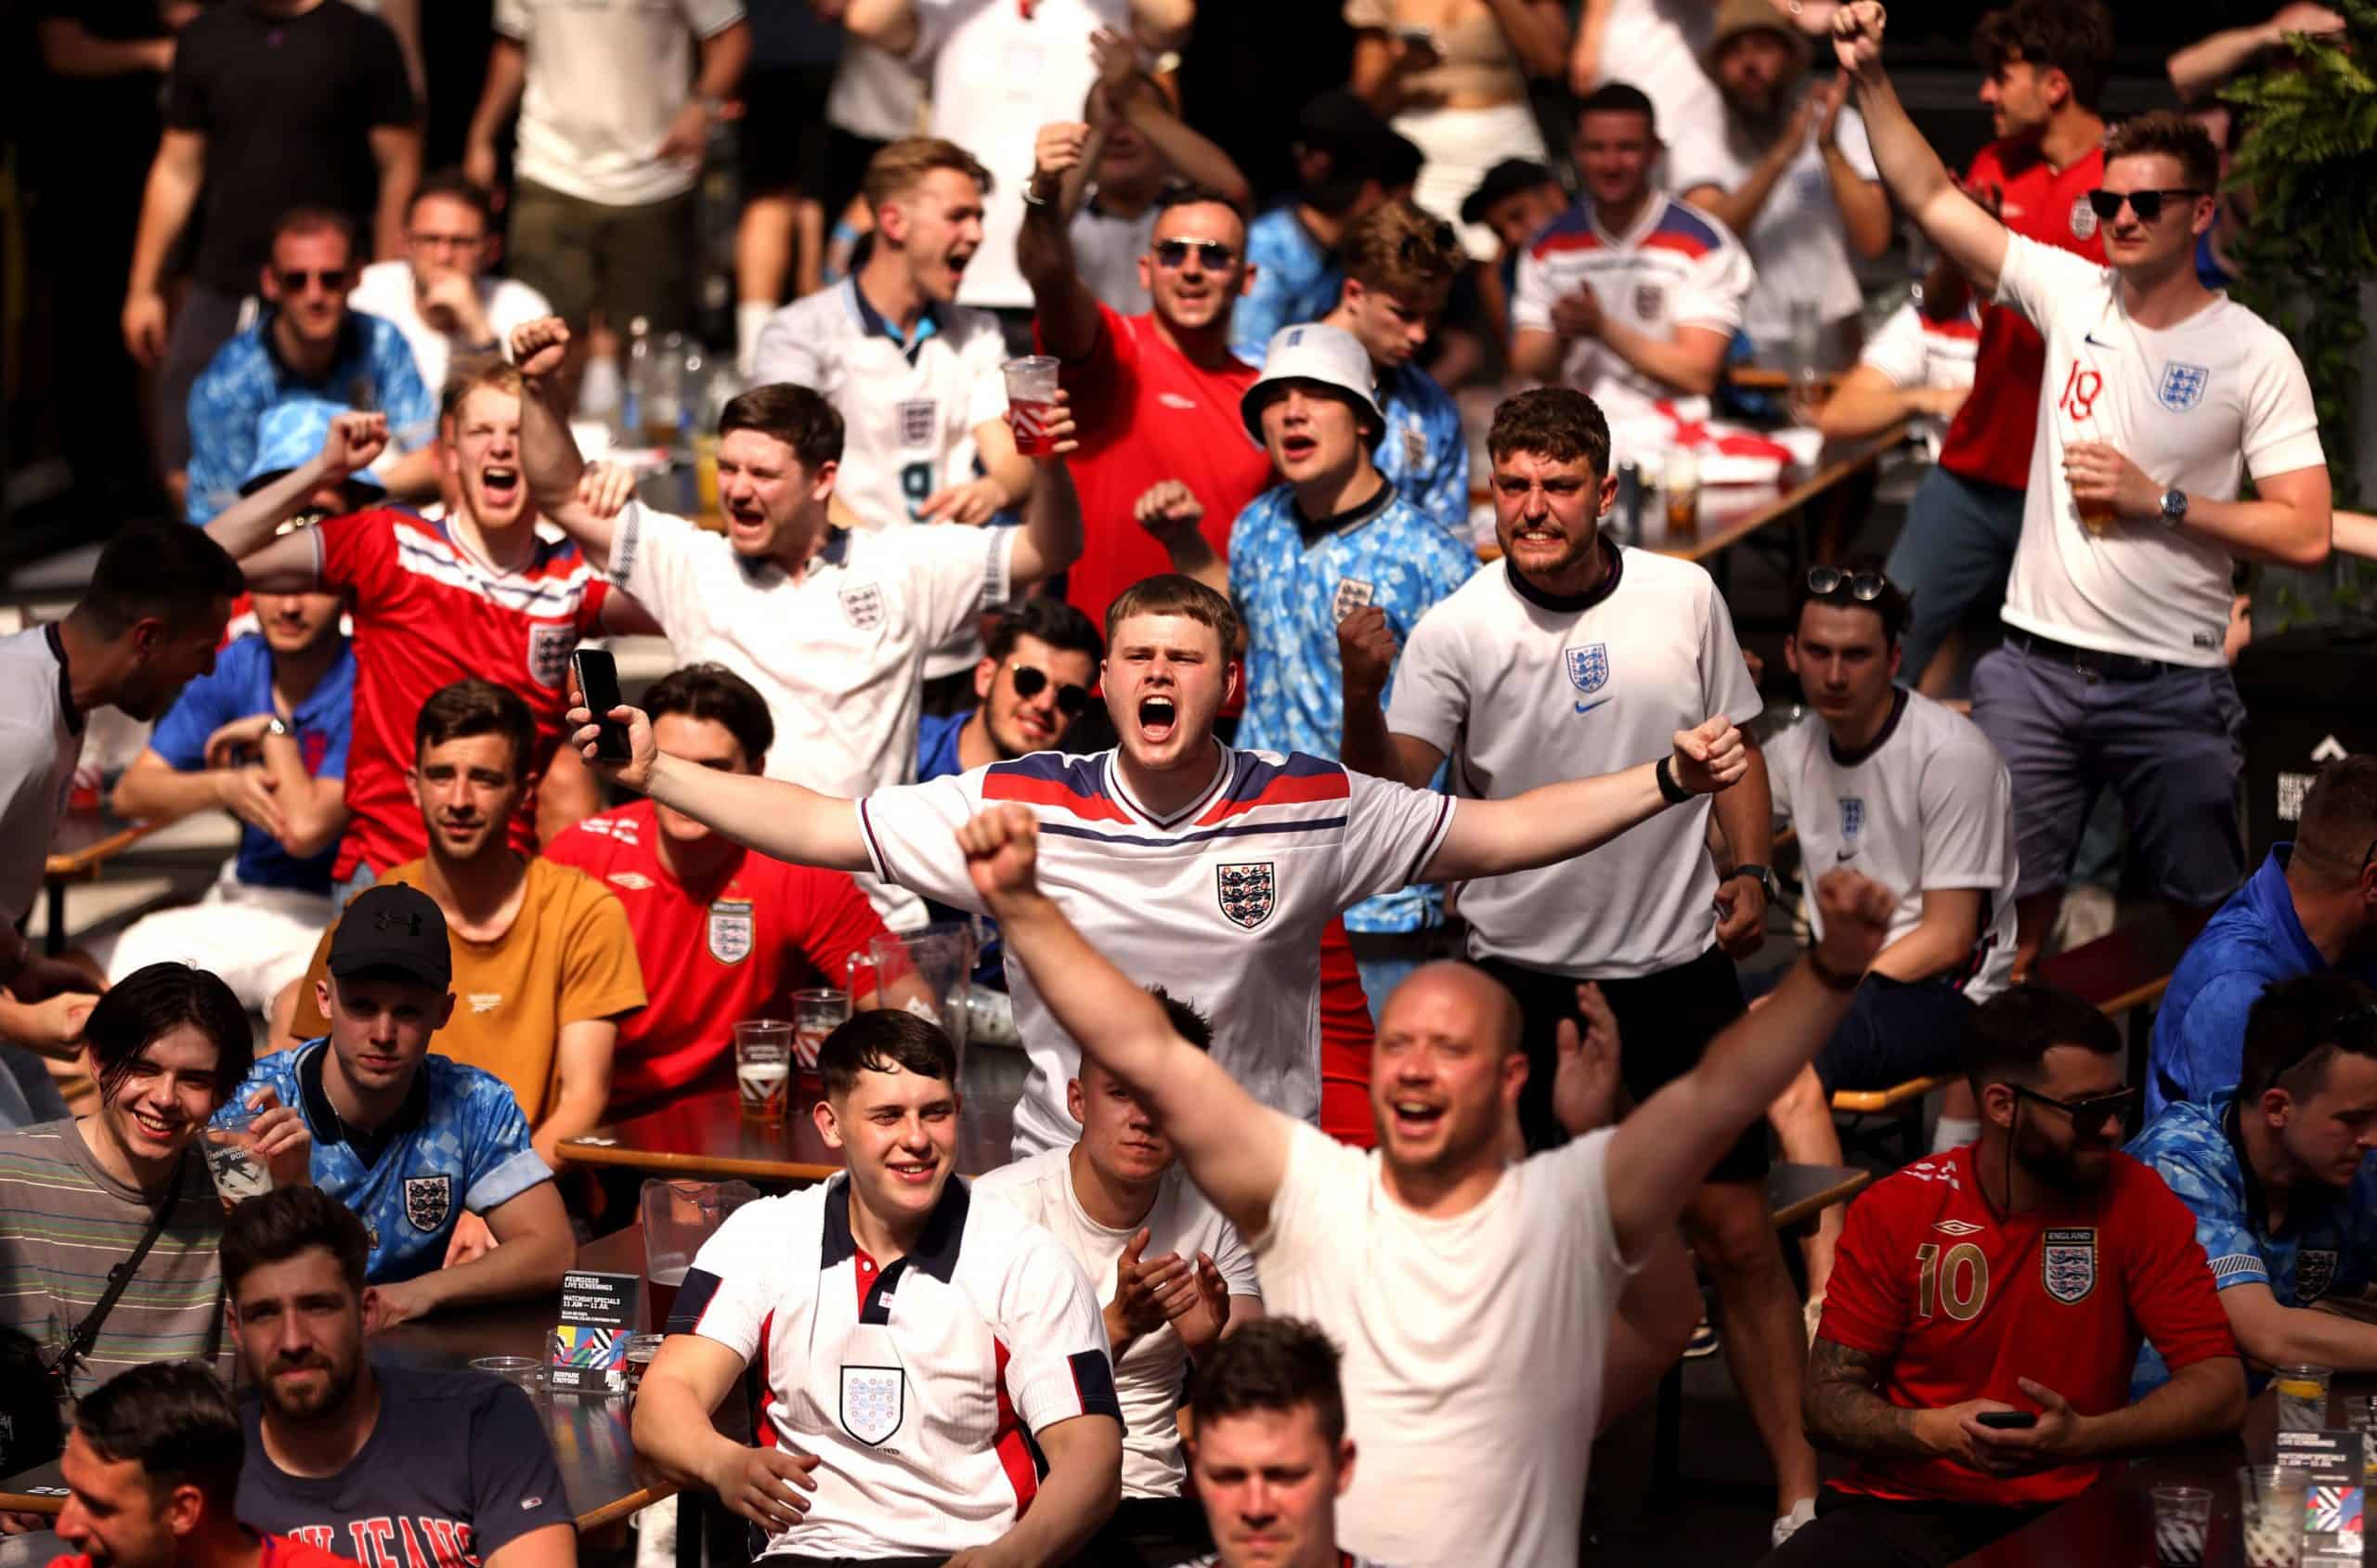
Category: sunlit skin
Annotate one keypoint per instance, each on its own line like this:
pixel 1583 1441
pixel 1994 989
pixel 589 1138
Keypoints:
pixel 937 222
pixel 1444 1078
pixel 168 1092
pixel 773 504
pixel 114 1514
pixel 1270 1481
pixel 2046 1144
pixel 898 1134
pixel 167 661
pixel 1390 329
pixel 2145 251
pixel 1844 662
pixel 2326 1136
pixel 1752 70
pixel 313 311
pixel 1166 678
pixel 1118 1137
pixel 380 1027
pixel 443 235
pixel 295 623
pixel 1020 725
pixel 466 789
pixel 705 743
pixel 1547 513
pixel 1314 436
pixel 1520 217
pixel 2020 99
pixel 1614 151
pixel 1192 297
pixel 482 460
pixel 300 1329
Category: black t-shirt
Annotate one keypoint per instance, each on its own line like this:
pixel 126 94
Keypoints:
pixel 286 104
pixel 458 1468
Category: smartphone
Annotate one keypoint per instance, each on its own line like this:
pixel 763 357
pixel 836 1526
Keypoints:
pixel 597 675
pixel 2008 1421
pixel 1418 38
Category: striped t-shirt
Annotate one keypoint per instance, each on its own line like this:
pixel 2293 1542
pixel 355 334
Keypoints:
pixel 64 1221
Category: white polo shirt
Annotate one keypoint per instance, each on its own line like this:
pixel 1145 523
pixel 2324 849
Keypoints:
pixel 604 80
pixel 1927 805
pixel 919 1384
pixel 839 654
pixel 41 743
pixel 1221 902
pixel 1151 1375
pixel 1912 350
pixel 1676 266
pixel 1472 1346
pixel 1520 693
pixel 1796 241
pixel 2193 406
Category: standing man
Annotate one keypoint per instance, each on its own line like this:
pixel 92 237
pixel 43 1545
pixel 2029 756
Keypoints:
pixel 1016 1444
pixel 441 295
pixel 2160 396
pixel 2043 73
pixel 355 1456
pixel 1631 295
pixel 1271 1454
pixel 1341 154
pixel 604 217
pixel 1459 1248
pixel 270 107
pixel 148 623
pixel 1569 654
pixel 1157 393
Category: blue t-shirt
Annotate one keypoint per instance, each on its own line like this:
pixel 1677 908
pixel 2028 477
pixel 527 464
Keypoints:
pixel 1425 453
pixel 1292 583
pixel 2255 939
pixel 457 1468
pixel 459 1143
pixel 2328 1244
pixel 1294 281
pixel 239 688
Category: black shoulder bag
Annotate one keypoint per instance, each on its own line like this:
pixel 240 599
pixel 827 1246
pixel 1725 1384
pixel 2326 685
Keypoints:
pixel 86 1333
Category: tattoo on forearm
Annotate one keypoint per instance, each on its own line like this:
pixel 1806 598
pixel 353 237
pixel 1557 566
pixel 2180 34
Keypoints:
pixel 1842 1412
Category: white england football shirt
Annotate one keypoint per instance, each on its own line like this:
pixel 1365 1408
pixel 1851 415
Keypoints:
pixel 1472 1346
pixel 1151 1376
pixel 1221 902
pixel 1796 241
pixel 2193 406
pixel 919 1382
pixel 41 743
pixel 1520 693
pixel 1676 266
pixel 1912 350
pixel 1927 805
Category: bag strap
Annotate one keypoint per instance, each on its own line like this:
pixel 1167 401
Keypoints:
pixel 86 1333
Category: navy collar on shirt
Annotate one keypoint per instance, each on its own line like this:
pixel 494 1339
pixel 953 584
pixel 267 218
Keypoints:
pixel 876 324
pixel 65 708
pixel 836 552
pixel 1573 603
pixel 935 1251
pixel 1337 522
pixel 1890 727
pixel 329 1127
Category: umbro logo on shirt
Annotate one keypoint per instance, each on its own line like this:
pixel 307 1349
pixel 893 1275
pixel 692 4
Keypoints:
pixel 634 881
pixel 484 1001
pixel 1173 400
pixel 1956 1228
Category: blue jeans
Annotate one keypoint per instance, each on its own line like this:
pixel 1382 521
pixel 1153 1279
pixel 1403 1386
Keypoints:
pixel 344 894
pixel 1953 556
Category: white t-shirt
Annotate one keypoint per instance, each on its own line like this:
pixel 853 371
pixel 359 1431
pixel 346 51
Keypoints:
pixel 2193 406
pixel 1472 1346
pixel 1221 902
pixel 998 72
pixel 1656 44
pixel 1106 254
pixel 1149 1378
pixel 41 741
pixel 1796 241
pixel 874 95
pixel 384 290
pixel 1912 350
pixel 1519 694
pixel 606 77
pixel 1676 266
pixel 1927 807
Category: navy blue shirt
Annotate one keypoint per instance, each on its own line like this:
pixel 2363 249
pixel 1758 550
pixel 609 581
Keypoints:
pixel 239 688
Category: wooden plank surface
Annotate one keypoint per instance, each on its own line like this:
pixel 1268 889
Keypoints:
pixel 1798 1192
pixel 88 839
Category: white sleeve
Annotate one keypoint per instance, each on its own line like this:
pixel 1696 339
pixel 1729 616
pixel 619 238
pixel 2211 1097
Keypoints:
pixel 1714 286
pixel 733 1286
pixel 1429 698
pixel 707 17
pixel 2282 422
pixel 1964 798
pixel 951 572
pixel 1783 754
pixel 25 758
pixel 1856 148
pixel 911 832
pixel 1234 1259
pixel 512 20
pixel 1059 1364
pixel 1896 348
pixel 983 358
pixel 1390 832
pixel 785 353
pixel 1531 295
pixel 654 557
pixel 2036 280
pixel 1725 685
pixel 1304 1226
pixel 935 20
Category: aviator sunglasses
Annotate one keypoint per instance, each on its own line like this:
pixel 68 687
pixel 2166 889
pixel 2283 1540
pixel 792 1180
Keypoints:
pixel 1071 699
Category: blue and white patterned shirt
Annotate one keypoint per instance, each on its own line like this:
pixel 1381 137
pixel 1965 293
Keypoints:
pixel 1294 281
pixel 374 371
pixel 1293 582
pixel 1424 453
pixel 2328 1242
pixel 460 1142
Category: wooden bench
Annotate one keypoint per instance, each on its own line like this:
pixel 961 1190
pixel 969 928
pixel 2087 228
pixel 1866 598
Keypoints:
pixel 1900 1108
pixel 2124 971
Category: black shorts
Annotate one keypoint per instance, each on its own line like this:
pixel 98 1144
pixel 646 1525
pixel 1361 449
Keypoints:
pixel 785 144
pixel 1665 1021
pixel 1149 1532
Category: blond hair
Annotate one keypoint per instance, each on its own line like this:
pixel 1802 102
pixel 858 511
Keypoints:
pixel 894 171
pixel 1174 593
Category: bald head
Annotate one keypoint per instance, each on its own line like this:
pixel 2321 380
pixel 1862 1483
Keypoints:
pixel 1456 998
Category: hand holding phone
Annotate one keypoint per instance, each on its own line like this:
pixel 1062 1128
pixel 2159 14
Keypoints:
pixel 597 676
pixel 2008 1421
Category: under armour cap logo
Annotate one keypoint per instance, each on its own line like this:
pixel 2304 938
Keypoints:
pixel 388 920
pixel 1294 338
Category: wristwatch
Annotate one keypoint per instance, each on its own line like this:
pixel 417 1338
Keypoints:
pixel 1764 875
pixel 276 725
pixel 2174 506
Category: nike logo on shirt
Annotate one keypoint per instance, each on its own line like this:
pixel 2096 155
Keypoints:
pixel 1588 707
pixel 2090 339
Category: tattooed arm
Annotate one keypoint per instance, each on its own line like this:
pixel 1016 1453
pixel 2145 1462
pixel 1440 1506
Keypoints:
pixel 1844 1412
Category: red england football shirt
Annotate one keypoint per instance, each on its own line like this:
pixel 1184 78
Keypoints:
pixel 279 1552
pixel 1990 438
pixel 1346 1037
pixel 733 947
pixel 429 612
pixel 1958 1302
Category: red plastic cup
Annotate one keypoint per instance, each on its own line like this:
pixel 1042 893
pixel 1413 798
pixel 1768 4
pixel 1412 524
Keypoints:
pixel 1031 403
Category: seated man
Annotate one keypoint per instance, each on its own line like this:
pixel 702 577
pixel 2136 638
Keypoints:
pixel 411 1141
pixel 166 1045
pixel 1918 366
pixel 1271 1454
pixel 2012 1278
pixel 355 1456
pixel 731 935
pixel 2311 907
pixel 152 1479
pixel 441 296
pixel 996 1325
pixel 1172 1274
pixel 542 957
pixel 2284 1197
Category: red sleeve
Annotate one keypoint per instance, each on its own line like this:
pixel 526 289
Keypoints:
pixel 589 607
pixel 1097 380
pixel 1346 1039
pixel 831 923
pixel 2169 1280
pixel 1865 1307
pixel 358 551
pixel 577 848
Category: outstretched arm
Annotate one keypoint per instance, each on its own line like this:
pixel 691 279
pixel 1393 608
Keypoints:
pixel 549 455
pixel 1064 308
pixel 248 528
pixel 1921 184
pixel 1235 1150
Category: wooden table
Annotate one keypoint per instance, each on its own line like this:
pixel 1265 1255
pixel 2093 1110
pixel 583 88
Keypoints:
pixel 86 837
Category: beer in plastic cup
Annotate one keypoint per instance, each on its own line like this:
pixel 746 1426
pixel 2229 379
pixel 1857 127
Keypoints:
pixel 1031 403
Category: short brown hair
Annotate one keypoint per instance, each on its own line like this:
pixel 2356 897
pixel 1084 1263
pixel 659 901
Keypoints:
pixel 1399 250
pixel 2073 36
pixel 2168 132
pixel 1558 422
pixel 1174 593
pixel 299 221
pixel 902 163
pixel 1271 1364
pixel 475 707
pixel 471 373
pixel 795 415
pixel 2336 836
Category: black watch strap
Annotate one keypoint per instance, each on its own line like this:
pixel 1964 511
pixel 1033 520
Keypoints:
pixel 1671 792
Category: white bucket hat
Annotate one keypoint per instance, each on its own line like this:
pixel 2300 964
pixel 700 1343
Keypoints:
pixel 1328 357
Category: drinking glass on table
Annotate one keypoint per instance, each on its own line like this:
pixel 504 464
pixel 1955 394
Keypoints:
pixel 816 1013
pixel 763 1067
pixel 1679 480
pixel 2302 1397
pixel 2182 1520
pixel 526 1373
pixel 2269 1504
pixel 231 1159
pixel 640 1349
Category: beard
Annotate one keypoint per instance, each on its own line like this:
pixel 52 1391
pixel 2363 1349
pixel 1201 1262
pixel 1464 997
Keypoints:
pixel 2079 1168
pixel 337 1388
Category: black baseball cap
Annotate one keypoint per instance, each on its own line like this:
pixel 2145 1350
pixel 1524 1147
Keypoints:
pixel 395 929
pixel 1506 178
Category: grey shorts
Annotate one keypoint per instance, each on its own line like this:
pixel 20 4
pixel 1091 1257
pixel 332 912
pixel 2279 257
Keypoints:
pixel 2169 744
pixel 624 262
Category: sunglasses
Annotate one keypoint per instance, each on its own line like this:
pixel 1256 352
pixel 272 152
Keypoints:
pixel 1864 586
pixel 2146 204
pixel 2088 1110
pixel 1417 249
pixel 294 279
pixel 1071 699
pixel 1212 252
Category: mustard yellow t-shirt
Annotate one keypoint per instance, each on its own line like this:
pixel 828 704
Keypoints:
pixel 568 956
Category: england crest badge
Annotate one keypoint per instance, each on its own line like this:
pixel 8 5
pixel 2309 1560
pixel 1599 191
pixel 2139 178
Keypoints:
pixel 1852 825
pixel 428 1201
pixel 874 1402
pixel 729 930
pixel 2314 1275
pixel 1588 666
pixel 2068 1264
pixel 1650 300
pixel 918 417
pixel 548 649
pixel 1248 892
pixel 1352 594
pixel 864 605
pixel 2182 385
